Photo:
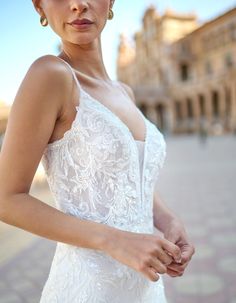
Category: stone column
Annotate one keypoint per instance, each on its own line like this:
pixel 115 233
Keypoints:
pixel 233 105
pixel 196 111
pixel 184 114
pixel 228 107
pixel 172 109
pixel 222 103
pixel 158 116
pixel 208 107
pixel 169 119
pixel 184 108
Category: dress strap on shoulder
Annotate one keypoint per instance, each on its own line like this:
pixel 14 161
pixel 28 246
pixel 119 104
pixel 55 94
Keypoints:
pixel 73 72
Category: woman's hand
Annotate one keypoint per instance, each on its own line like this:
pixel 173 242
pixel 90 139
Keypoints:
pixel 173 229
pixel 176 233
pixel 146 253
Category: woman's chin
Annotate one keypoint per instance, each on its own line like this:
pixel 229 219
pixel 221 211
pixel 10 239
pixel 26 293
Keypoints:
pixel 85 40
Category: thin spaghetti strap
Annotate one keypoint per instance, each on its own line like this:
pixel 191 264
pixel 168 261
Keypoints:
pixel 73 73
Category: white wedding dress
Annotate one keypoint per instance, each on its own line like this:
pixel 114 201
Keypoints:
pixel 99 172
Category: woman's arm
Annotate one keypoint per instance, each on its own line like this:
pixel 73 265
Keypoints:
pixel 162 215
pixel 28 213
pixel 39 102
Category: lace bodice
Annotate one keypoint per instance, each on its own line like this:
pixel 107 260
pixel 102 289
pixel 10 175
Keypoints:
pixel 93 171
pixel 99 172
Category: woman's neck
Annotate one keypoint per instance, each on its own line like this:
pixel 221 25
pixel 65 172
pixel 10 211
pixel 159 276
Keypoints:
pixel 87 59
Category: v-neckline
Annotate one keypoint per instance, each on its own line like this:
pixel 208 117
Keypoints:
pixel 118 118
pixel 123 125
pixel 134 141
pixel 109 110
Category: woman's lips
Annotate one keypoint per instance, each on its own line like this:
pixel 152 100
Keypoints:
pixel 81 23
pixel 81 26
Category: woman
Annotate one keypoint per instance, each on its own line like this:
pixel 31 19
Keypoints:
pixel 102 158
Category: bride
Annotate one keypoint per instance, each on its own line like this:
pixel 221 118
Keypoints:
pixel 102 158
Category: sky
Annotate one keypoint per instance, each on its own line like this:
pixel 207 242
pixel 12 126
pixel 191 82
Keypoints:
pixel 24 39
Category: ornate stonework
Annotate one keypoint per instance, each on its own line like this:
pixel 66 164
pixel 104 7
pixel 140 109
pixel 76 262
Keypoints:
pixel 183 74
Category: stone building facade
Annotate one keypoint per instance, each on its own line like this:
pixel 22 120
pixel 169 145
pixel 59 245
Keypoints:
pixel 183 73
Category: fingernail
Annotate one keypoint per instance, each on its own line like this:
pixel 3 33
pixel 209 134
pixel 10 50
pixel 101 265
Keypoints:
pixel 179 260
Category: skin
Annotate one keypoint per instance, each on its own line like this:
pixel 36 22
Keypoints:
pixel 43 113
pixel 173 230
pixel 82 49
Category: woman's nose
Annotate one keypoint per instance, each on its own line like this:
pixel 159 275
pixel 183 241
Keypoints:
pixel 79 5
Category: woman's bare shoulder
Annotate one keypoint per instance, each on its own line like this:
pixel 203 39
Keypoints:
pixel 50 64
pixel 48 80
pixel 33 115
pixel 129 90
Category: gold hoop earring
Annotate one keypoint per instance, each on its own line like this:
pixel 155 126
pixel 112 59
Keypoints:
pixel 111 14
pixel 43 21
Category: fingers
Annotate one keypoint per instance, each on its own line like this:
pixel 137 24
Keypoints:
pixel 177 267
pixel 172 250
pixel 187 253
pixel 173 273
pixel 176 270
pixel 158 266
pixel 151 267
pixel 151 274
pixel 165 258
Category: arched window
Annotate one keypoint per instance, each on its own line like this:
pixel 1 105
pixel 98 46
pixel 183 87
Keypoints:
pixel 184 71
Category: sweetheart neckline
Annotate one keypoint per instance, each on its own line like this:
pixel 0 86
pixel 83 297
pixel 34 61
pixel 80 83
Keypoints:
pixel 125 127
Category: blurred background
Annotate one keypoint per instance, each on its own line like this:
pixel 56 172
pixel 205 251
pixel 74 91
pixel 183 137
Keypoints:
pixel 179 57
